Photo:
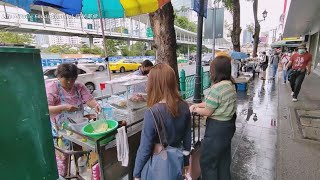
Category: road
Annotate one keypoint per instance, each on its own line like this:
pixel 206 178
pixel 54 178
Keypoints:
pixel 103 76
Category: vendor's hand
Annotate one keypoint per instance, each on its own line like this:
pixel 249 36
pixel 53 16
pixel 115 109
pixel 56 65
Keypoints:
pixel 136 178
pixel 97 108
pixel 70 108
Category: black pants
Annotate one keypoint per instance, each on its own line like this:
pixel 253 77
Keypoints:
pixel 296 80
pixel 215 157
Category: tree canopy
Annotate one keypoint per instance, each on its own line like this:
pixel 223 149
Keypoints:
pixel 184 23
pixel 15 38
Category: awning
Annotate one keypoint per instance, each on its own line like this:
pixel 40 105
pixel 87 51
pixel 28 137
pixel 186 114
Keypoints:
pixel 302 18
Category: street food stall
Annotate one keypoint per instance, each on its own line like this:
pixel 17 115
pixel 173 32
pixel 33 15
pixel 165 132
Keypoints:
pixel 127 110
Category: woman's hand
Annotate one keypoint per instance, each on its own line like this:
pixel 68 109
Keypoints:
pixel 192 108
pixel 97 108
pixel 70 108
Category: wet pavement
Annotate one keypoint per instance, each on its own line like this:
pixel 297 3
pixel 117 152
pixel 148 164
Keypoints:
pixel 254 143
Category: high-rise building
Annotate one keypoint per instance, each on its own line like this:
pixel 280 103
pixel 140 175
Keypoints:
pixel 41 40
pixel 247 37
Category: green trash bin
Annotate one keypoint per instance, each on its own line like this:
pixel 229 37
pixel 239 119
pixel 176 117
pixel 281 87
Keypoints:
pixel 26 149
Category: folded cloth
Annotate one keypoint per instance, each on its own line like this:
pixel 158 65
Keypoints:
pixel 122 146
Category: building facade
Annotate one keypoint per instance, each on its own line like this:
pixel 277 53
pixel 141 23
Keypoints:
pixel 300 21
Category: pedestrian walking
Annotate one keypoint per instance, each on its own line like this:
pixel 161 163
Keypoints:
pixel 275 59
pixel 170 115
pixel 301 65
pixel 220 107
pixel 264 65
pixel 284 62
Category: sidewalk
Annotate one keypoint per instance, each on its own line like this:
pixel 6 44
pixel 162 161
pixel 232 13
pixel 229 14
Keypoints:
pixel 254 144
pixel 297 158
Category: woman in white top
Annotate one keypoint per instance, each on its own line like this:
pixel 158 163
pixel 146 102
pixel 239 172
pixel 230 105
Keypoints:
pixel 284 61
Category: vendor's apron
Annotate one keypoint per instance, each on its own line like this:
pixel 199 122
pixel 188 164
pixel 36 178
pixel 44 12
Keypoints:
pixel 63 117
pixel 62 159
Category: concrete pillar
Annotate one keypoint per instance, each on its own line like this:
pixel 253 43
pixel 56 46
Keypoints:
pixel 149 46
pixel 43 17
pixel 129 44
pixel 91 42
pixel 188 50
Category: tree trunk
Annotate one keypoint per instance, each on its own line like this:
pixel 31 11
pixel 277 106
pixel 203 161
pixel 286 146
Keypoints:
pixel 164 35
pixel 256 28
pixel 236 31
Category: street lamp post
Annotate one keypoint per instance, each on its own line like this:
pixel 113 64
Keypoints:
pixel 264 15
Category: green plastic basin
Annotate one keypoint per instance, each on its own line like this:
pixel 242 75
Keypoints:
pixel 88 131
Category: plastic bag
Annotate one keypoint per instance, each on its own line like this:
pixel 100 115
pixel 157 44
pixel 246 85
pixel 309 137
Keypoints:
pixel 258 68
pixel 117 101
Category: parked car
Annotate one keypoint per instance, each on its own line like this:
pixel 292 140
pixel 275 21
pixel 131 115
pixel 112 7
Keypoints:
pixel 85 76
pixel 124 65
pixel 95 66
pixel 206 59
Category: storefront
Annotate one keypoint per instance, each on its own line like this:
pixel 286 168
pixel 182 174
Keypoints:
pixel 301 20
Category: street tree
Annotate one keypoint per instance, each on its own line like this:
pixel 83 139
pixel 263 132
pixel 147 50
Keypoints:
pixel 234 7
pixel 113 46
pixel 250 28
pixel 162 24
pixel 15 38
pixel 87 50
pixel 256 28
pixel 61 49
pixel 184 23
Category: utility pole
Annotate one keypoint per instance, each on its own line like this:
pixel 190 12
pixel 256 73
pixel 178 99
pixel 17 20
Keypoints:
pixel 197 88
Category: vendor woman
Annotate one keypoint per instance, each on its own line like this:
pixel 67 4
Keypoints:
pixel 65 100
pixel 66 97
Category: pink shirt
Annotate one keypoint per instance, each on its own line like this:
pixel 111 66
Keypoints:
pixel 70 97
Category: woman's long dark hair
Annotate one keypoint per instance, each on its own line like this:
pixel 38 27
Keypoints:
pixel 220 69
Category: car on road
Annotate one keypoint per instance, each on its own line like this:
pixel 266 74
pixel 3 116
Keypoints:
pixel 124 65
pixel 206 59
pixel 95 66
pixel 85 76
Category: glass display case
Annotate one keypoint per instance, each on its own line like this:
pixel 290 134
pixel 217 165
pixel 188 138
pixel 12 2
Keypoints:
pixel 131 105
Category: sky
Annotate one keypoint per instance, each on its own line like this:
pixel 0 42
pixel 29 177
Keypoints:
pixel 273 7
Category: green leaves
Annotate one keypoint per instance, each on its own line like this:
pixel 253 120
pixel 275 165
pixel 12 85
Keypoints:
pixel 250 28
pixel 15 38
pixel 61 49
pixel 184 23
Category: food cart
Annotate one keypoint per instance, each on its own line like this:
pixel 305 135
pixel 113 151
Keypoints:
pixel 128 109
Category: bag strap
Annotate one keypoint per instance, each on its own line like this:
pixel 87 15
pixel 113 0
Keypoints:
pixel 163 128
pixel 157 127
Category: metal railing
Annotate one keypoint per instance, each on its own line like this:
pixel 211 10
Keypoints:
pixel 187 83
pixel 63 24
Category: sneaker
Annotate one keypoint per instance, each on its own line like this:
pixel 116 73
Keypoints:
pixel 294 99
pixel 292 93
